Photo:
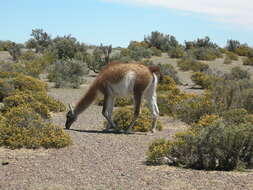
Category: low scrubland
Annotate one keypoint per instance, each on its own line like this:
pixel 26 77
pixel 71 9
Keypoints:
pixel 219 136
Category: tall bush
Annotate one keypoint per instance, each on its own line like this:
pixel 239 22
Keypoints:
pixel 214 143
pixel 68 73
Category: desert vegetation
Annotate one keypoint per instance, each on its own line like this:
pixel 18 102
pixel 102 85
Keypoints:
pixel 206 88
pixel 27 107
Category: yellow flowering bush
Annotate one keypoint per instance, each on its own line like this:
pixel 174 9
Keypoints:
pixel 123 117
pixel 52 104
pixel 119 102
pixel 22 118
pixel 168 84
pixel 4 74
pixel 192 109
pixel 201 79
pixel 24 83
pixel 157 150
pixel 6 88
pixel 26 99
pixel 204 121
pixel 168 102
pixel 22 127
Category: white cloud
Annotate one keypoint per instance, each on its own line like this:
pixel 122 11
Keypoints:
pixel 232 11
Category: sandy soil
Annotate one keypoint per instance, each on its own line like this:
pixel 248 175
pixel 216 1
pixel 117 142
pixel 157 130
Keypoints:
pixel 98 160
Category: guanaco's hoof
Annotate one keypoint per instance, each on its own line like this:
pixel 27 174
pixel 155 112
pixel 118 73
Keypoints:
pixel 109 130
pixel 129 132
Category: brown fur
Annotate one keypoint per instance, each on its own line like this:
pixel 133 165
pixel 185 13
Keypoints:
pixel 156 69
pixel 114 73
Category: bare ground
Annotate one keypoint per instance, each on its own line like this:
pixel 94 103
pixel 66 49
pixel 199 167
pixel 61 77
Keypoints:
pixel 98 160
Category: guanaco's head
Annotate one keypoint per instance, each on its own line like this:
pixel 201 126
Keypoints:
pixel 71 117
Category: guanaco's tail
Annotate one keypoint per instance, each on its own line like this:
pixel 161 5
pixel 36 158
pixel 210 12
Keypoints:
pixel 156 69
pixel 87 99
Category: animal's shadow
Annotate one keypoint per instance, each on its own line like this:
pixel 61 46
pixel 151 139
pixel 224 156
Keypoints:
pixel 106 132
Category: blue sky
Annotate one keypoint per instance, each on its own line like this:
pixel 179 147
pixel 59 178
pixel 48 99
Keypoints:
pixel 117 22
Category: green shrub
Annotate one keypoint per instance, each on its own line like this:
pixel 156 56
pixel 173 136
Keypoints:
pixel 169 70
pixel 232 55
pixel 189 63
pixel 201 43
pixel 212 144
pixel 100 57
pixel 248 61
pixel 166 70
pixel 214 147
pixel 29 63
pixel 134 44
pixel 32 67
pixel 227 60
pixel 125 52
pixel 235 116
pixel 192 109
pixel 233 90
pixel 232 45
pixel 28 55
pixel 168 101
pixel 140 52
pixel 246 96
pixel 14 50
pixel 163 42
pixel 206 53
pixel 68 73
pixel 177 52
pixel 227 94
pixel 64 47
pixel 244 50
pixel 156 52
pixel 169 96
pixel 237 73
pixel 22 127
pixel 201 79
pixel 4 45
pixel 40 41
pixel 123 117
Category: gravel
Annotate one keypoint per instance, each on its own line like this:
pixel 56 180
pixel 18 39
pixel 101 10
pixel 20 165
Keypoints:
pixel 98 160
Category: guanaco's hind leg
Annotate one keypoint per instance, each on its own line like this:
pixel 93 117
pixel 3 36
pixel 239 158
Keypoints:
pixel 151 98
pixel 107 111
pixel 154 110
pixel 137 106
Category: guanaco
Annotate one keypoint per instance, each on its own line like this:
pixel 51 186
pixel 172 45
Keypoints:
pixel 121 80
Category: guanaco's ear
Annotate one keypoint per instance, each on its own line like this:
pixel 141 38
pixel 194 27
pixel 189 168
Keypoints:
pixel 71 109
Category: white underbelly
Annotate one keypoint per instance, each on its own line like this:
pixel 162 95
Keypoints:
pixel 125 86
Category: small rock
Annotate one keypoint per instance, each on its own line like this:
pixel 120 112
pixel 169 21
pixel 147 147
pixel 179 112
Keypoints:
pixel 4 163
pixel 166 160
